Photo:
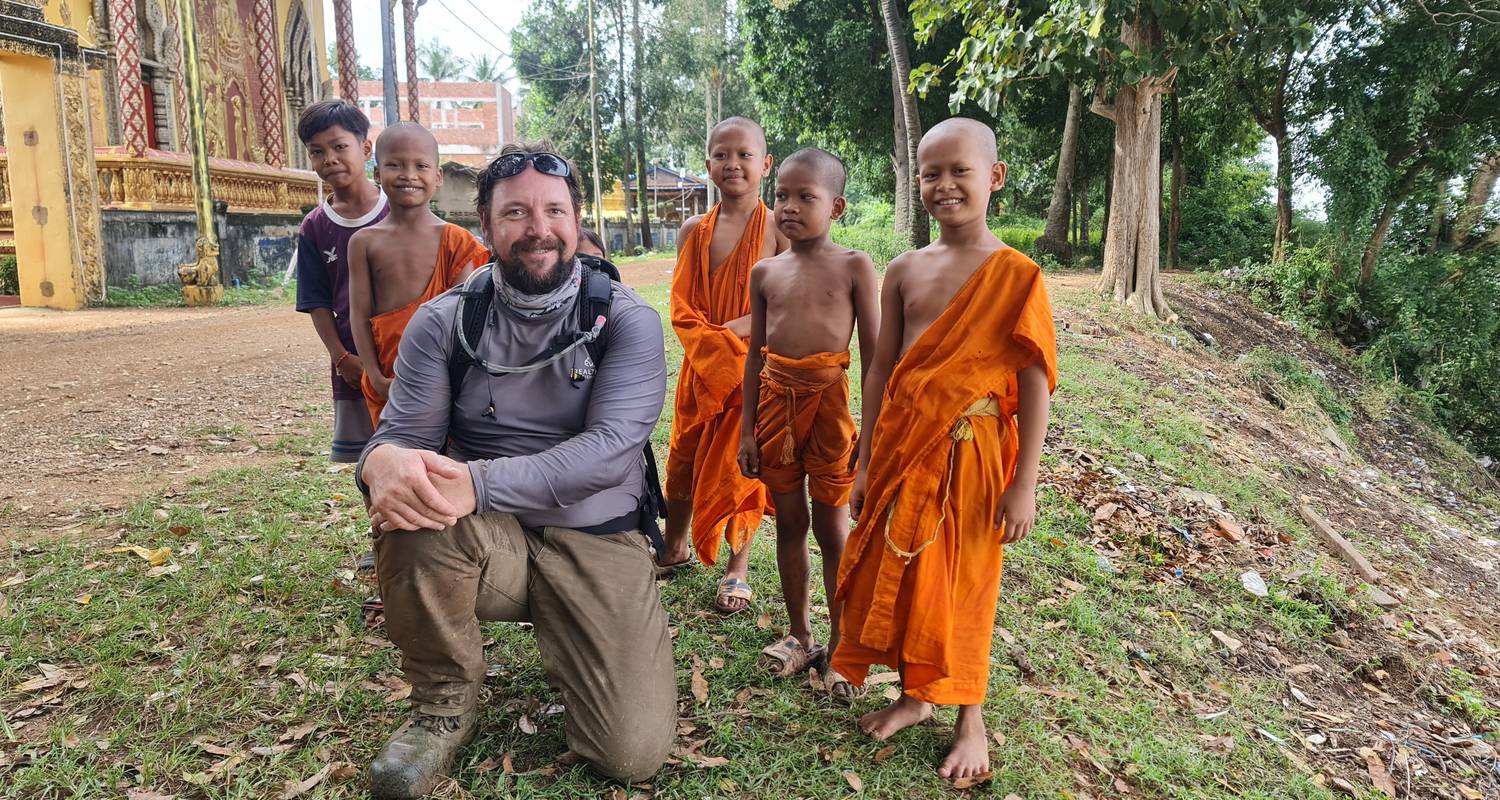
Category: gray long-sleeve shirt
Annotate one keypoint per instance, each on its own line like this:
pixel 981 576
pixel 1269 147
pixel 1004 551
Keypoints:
pixel 555 451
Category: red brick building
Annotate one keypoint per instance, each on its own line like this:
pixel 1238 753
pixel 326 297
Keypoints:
pixel 471 120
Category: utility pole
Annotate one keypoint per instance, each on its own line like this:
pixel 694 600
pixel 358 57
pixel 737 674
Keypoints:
pixel 388 61
pixel 594 124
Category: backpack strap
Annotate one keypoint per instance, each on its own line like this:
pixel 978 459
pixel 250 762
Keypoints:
pixel 477 295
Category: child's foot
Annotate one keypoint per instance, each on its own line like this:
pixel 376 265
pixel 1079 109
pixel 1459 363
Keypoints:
pixel 896 717
pixel 970 755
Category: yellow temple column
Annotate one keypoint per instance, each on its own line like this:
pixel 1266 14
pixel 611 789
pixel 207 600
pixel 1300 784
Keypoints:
pixel 52 182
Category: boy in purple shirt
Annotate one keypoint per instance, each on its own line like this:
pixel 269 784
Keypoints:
pixel 336 135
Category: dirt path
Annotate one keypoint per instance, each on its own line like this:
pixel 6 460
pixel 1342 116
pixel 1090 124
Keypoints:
pixel 101 406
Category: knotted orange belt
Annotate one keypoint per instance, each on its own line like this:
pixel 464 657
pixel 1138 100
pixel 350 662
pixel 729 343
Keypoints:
pixel 799 377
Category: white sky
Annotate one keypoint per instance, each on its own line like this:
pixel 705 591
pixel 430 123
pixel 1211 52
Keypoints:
pixel 470 27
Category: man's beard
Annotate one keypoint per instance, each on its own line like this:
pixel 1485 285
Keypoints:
pixel 515 272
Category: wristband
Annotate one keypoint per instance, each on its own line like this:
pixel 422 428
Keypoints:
pixel 338 362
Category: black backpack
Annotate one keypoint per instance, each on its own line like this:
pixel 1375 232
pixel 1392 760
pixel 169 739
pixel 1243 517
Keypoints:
pixel 594 298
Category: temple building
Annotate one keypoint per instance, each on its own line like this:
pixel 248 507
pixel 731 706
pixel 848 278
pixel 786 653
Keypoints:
pixel 96 183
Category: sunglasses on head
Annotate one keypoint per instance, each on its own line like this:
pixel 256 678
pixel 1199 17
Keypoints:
pixel 515 163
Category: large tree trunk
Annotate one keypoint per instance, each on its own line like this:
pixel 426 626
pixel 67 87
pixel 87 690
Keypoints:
pixel 1054 238
pixel 1174 219
pixel 1109 196
pixel 1377 240
pixel 1132 257
pixel 640 138
pixel 624 128
pixel 1082 190
pixel 1481 186
pixel 895 40
pixel 1283 196
pixel 900 165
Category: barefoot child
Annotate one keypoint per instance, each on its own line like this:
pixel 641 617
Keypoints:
pixel 955 410
pixel 804 305
pixel 406 259
pixel 336 135
pixel 711 314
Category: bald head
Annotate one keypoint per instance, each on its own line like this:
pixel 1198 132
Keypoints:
pixel 826 166
pixel 961 134
pixel 402 135
pixel 749 126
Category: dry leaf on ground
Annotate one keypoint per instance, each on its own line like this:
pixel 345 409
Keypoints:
pixel 297 733
pixel 155 557
pixel 700 686
pixel 854 781
pixel 1380 777
pixel 971 781
pixel 298 788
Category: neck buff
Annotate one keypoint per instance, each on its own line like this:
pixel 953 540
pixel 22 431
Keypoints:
pixel 536 305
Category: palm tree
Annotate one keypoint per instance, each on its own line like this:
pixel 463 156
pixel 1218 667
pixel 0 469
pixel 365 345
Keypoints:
pixel 439 63
pixel 484 68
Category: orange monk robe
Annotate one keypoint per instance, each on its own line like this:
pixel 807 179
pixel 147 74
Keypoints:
pixel 803 425
pixel 921 573
pixel 458 250
pixel 702 464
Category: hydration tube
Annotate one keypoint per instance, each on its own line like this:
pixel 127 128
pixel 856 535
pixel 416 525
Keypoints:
pixel 579 339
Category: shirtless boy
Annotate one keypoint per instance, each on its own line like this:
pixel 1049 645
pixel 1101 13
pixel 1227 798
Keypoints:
pixel 711 315
pixel 797 433
pixel 404 260
pixel 955 410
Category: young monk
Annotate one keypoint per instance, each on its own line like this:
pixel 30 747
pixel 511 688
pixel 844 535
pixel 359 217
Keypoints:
pixel 796 430
pixel 955 410
pixel 404 260
pixel 711 314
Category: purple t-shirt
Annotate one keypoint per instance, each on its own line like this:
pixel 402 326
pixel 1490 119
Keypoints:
pixel 323 272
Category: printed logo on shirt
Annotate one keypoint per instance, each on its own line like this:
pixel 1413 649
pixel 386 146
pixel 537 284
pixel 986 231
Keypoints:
pixel 586 371
pixel 331 255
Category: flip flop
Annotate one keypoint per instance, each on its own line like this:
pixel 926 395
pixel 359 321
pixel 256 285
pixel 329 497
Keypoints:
pixel 733 588
pixel 789 657
pixel 672 570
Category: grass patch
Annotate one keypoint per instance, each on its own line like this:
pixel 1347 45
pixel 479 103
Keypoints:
pixel 648 255
pixel 258 634
pixel 1286 382
pixel 267 292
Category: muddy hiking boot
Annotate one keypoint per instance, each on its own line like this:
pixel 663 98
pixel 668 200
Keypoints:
pixel 420 754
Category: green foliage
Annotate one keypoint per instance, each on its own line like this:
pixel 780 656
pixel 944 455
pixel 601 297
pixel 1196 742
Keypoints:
pixel 1431 321
pixel 1226 216
pixel 879 240
pixel 10 279
pixel 1463 699
pixel 1304 289
pixel 550 53
pixel 1403 94
pixel 1434 323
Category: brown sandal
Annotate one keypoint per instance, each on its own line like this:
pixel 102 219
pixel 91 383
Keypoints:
pixel 840 690
pixel 789 657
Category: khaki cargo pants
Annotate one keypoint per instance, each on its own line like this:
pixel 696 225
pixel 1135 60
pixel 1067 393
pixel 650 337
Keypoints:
pixel 592 601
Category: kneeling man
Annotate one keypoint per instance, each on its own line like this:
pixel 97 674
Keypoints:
pixel 535 517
